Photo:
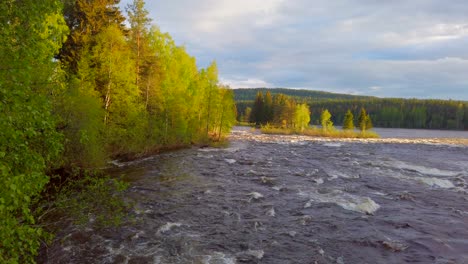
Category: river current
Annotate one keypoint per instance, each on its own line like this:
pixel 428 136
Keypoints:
pixel 287 199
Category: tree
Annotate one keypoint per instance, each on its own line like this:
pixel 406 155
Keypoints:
pixel 226 111
pixel 364 120
pixel 257 110
pixel 301 117
pixel 325 120
pixel 86 19
pixel 31 32
pixel 348 122
pixel 267 115
pixel 247 113
pixel 139 23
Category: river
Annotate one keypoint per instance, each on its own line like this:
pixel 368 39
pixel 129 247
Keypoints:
pixel 287 199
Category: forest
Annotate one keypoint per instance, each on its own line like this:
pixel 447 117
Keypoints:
pixel 385 112
pixel 82 83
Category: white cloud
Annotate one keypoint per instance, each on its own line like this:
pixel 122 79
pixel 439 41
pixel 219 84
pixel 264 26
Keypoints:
pixel 245 83
pixel 412 48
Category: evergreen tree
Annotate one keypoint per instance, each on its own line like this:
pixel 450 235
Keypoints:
pixel 325 120
pixel 365 122
pixel 86 19
pixel 139 23
pixel 257 110
pixel 363 119
pixel 369 124
pixel 348 122
pixel 268 108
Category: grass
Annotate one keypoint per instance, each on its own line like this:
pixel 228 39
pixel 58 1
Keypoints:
pixel 319 132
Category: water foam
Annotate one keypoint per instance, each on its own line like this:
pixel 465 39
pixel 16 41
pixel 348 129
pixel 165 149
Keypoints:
pixel 345 200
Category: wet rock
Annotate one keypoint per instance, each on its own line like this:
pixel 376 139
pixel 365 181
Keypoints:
pixel 395 246
pixel 267 180
pixel 304 220
pixel 406 196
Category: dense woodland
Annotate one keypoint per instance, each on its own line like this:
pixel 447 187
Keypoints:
pixel 385 112
pixel 78 87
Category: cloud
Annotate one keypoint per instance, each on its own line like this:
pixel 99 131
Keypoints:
pixel 415 48
pixel 245 83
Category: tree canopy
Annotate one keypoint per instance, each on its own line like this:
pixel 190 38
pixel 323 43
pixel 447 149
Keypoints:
pixel 78 88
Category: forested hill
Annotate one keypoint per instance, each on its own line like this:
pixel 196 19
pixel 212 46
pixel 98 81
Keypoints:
pixel 385 112
pixel 249 94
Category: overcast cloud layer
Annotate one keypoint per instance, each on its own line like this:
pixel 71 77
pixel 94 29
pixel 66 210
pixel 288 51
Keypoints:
pixel 394 48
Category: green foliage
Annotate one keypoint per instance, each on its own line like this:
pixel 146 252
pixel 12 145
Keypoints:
pixel 30 33
pixel 364 120
pixel 86 19
pixel 348 122
pixel 81 118
pixel 124 93
pixel 301 117
pixel 325 120
pixel 316 132
pixel 386 112
pixel 93 198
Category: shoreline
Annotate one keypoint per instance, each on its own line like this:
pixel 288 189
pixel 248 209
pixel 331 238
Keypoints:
pixel 238 134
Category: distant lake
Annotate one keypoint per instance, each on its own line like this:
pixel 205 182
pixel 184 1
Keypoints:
pixel 419 133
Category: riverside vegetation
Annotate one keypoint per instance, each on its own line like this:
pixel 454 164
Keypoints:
pixel 385 112
pixel 77 88
pixel 280 114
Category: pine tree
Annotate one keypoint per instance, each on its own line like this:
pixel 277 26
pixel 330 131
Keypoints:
pixel 139 23
pixel 348 122
pixel 362 119
pixel 268 108
pixel 369 124
pixel 86 19
pixel 257 110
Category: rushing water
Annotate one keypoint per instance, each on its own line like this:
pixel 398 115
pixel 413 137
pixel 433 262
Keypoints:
pixel 283 199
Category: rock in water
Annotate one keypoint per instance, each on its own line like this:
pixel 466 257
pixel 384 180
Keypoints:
pixel 394 246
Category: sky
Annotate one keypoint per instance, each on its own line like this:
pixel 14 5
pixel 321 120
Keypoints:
pixel 384 48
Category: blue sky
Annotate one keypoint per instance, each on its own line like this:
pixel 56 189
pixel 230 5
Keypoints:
pixel 393 48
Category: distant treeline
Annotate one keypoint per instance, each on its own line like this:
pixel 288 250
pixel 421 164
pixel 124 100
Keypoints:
pixel 388 112
pixel 249 94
